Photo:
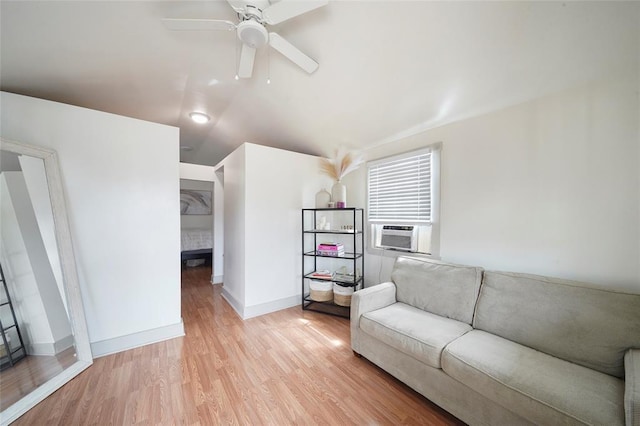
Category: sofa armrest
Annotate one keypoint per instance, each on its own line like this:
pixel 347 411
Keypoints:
pixel 632 387
pixel 367 300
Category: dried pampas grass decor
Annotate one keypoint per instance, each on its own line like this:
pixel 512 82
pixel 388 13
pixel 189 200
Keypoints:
pixel 344 163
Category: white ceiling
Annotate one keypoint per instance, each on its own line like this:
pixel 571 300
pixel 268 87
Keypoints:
pixel 387 68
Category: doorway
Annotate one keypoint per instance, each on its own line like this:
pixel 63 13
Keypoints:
pixel 196 224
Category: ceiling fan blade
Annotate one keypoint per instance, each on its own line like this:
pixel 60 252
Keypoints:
pixel 247 55
pixel 239 5
pixel 198 24
pixel 287 9
pixel 292 53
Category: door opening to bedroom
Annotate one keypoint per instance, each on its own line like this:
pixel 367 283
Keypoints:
pixel 196 224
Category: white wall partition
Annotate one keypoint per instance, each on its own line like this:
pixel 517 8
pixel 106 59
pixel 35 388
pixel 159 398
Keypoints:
pixel 121 179
pixel 265 190
pixel 279 184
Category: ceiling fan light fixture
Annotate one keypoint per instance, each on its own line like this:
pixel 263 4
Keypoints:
pixel 252 33
pixel 199 117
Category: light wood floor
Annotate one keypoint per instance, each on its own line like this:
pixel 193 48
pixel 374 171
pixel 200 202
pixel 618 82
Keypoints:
pixel 31 372
pixel 289 367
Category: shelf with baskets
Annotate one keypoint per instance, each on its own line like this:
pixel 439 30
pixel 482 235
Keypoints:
pixel 332 258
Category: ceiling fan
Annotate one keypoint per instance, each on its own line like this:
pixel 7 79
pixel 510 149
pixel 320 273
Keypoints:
pixel 254 17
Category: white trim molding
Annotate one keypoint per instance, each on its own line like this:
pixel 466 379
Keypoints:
pixel 233 302
pixel 135 340
pixel 273 306
pixel 246 312
pixel 50 349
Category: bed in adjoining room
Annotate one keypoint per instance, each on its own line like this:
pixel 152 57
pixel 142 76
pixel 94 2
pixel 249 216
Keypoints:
pixel 196 244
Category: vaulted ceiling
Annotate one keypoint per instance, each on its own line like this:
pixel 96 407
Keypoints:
pixel 387 68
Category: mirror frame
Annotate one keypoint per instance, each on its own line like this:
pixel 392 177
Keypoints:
pixel 84 358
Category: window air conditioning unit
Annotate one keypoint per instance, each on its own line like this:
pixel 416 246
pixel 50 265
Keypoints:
pixel 404 238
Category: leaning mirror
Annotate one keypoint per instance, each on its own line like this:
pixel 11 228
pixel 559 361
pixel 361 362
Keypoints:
pixel 43 333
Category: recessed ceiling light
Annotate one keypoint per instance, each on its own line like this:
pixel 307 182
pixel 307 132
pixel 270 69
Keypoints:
pixel 199 117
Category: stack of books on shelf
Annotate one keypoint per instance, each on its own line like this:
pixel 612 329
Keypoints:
pixel 321 275
pixel 331 249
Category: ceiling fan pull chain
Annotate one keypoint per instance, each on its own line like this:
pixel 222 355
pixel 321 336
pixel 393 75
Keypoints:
pixel 268 66
pixel 236 61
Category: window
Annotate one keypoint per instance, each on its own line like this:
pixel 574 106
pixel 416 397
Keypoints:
pixel 402 201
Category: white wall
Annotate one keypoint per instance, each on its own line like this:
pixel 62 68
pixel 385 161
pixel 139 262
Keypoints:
pixel 233 168
pixel 547 187
pixel 207 174
pixel 121 181
pixel 279 184
pixel 263 240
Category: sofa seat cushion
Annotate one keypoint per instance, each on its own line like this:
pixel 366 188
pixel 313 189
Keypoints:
pixel 415 332
pixel 541 388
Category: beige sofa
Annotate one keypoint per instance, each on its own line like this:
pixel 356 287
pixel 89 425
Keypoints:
pixel 501 348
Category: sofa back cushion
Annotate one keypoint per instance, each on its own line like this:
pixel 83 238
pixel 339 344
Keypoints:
pixel 440 288
pixel 566 319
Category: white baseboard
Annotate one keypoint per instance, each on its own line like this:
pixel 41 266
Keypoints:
pixel 40 349
pixel 273 306
pixel 50 348
pixel 135 340
pixel 246 312
pixel 235 304
pixel 63 344
pixel 217 279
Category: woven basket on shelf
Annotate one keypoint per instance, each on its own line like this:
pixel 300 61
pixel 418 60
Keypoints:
pixel 342 295
pixel 321 296
pixel 320 290
pixel 341 299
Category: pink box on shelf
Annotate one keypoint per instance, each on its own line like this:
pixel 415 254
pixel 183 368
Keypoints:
pixel 330 247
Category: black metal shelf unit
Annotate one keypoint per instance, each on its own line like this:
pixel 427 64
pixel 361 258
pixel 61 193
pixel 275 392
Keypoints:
pixel 348 227
pixel 12 349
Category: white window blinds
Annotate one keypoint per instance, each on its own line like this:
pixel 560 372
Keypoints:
pixel 400 188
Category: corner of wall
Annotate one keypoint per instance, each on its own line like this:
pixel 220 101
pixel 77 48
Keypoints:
pixel 235 304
